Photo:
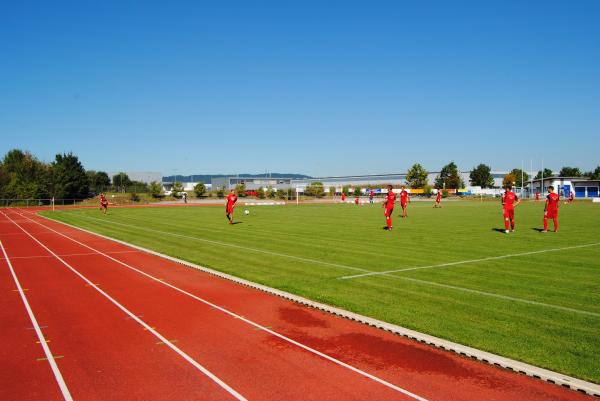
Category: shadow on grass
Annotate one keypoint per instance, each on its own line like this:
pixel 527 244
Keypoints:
pixel 500 230
pixel 539 230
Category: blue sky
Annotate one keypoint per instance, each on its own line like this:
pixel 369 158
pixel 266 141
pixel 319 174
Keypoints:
pixel 314 87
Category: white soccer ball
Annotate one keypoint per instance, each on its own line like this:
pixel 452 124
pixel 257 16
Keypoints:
pixel 246 211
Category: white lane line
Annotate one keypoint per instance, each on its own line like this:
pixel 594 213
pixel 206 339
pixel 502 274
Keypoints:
pixel 68 254
pixel 250 322
pixel 57 375
pixel 226 244
pixel 462 262
pixel 433 283
pixel 137 319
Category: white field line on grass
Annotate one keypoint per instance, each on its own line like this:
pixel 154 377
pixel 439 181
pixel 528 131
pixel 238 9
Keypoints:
pixel 423 282
pixel 236 316
pixel 462 262
pixel 38 331
pixel 188 358
pixel 228 245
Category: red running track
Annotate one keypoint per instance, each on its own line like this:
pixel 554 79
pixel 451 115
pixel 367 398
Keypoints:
pixel 126 325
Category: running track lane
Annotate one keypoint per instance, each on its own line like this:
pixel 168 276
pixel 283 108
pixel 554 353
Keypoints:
pixel 246 358
pixel 429 372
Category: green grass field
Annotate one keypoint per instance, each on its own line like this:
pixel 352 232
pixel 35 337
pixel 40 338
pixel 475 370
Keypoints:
pixel 542 308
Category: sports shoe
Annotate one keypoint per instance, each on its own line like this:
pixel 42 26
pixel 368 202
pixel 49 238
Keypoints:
pixel 506 231
pixel 544 231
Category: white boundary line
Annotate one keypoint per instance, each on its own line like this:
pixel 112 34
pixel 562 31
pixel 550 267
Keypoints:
pixel 226 244
pixel 483 356
pixel 57 375
pixel 461 262
pixel 137 319
pixel 67 255
pixel 370 272
pixel 254 324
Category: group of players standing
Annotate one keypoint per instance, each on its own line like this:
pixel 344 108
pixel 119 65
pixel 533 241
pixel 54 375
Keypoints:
pixel 509 202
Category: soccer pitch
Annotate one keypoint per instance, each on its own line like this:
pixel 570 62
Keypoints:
pixel 447 272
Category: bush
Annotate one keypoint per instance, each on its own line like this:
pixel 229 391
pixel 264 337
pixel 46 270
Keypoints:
pixel 444 193
pixel 200 189
pixel 427 191
pixel 134 197
pixel 155 189
pixel 260 193
pixel 220 193
pixel 331 191
pixel 357 191
pixel 281 194
pixel 270 192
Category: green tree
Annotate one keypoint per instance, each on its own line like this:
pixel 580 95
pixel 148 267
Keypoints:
pixel 120 182
pixel 416 176
pixel 260 193
pixel 481 176
pixel 155 189
pixel 24 176
pixel 346 190
pixel 570 172
pixel 200 189
pixel 357 191
pixel 240 190
pixel 449 177
pixel 177 189
pixel 315 189
pixel 281 194
pixel 69 179
pixel 270 192
pixel 594 175
pixel 521 177
pixel 509 180
pixel 331 191
pixel 547 173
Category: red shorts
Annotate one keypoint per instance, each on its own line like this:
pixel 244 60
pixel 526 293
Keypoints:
pixel 551 213
pixel 388 212
pixel 437 201
pixel 403 205
pixel 510 213
pixel 104 205
pixel 229 209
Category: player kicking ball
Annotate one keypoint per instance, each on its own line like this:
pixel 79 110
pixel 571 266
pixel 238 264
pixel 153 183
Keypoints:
pixel 103 203
pixel 509 202
pixel 231 199
pixel 551 209
pixel 388 204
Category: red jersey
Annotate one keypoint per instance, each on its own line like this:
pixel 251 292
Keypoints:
pixel 403 197
pixel 103 200
pixel 343 197
pixel 231 199
pixel 390 199
pixel 508 199
pixel 438 197
pixel 552 201
pixel 371 195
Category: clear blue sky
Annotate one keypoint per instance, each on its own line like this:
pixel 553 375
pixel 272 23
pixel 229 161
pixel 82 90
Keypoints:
pixel 314 87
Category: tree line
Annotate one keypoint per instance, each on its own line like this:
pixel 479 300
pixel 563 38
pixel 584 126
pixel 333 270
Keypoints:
pixel 23 176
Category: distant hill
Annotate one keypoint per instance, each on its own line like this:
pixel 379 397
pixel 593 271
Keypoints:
pixel 206 178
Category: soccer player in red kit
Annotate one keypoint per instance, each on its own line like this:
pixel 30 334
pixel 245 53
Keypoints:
pixel 551 209
pixel 509 201
pixel 231 199
pixel 404 199
pixel 103 203
pixel 389 208
pixel 438 199
pixel 343 197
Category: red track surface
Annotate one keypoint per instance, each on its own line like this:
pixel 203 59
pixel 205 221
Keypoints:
pixel 261 346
